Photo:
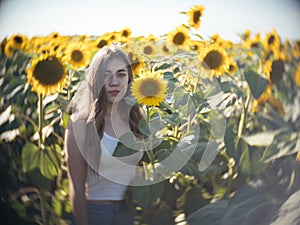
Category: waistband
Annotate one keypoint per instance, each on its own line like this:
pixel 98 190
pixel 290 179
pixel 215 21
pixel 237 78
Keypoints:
pixel 108 202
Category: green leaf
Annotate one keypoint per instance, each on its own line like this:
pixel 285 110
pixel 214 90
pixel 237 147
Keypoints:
pixel 57 203
pixel 144 127
pixel 260 139
pixel 286 144
pixel 173 119
pixel 12 86
pixel 194 200
pixel 130 100
pixel 210 153
pixel 256 83
pixel 147 193
pixel 175 159
pixel 37 179
pixel 289 212
pixel 211 214
pixel 157 216
pixel 127 145
pixel 249 160
pixel 162 66
pixel 183 102
pixel 41 159
pixel 244 161
pixel 66 118
pixel 122 150
pixel 30 157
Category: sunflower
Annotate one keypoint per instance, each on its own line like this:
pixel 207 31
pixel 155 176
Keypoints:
pixel 263 98
pixel 147 48
pixel 54 35
pixel 296 48
pixel 194 15
pixel 151 37
pixel 246 35
pixel 8 50
pixel 196 45
pixel 136 62
pixel 277 71
pixel 17 41
pixel 102 41
pixel 125 34
pixel 77 55
pixel 215 59
pixel 179 36
pixel 150 88
pixel 253 44
pixel 232 66
pixel 46 75
pixel 297 75
pixel 272 40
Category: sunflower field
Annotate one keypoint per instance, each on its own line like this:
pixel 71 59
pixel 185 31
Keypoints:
pixel 222 126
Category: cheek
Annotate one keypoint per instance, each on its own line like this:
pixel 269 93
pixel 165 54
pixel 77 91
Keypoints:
pixel 124 84
pixel 106 86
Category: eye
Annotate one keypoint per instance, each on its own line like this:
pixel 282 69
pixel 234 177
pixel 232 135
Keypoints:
pixel 122 74
pixel 107 75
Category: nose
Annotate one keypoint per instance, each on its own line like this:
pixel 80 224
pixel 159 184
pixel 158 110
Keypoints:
pixel 113 81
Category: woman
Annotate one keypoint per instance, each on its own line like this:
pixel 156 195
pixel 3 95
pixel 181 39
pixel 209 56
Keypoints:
pixel 100 116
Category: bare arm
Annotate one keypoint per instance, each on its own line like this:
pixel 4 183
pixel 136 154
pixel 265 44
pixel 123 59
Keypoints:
pixel 77 176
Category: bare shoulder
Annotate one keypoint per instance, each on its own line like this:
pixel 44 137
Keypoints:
pixel 71 132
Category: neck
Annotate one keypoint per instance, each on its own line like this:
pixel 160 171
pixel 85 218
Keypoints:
pixel 112 111
pixel 116 112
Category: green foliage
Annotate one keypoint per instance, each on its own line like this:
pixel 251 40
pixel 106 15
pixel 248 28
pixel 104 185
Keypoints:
pixel 257 84
pixel 210 158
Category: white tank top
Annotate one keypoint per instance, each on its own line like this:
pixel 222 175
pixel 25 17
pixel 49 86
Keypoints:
pixel 115 173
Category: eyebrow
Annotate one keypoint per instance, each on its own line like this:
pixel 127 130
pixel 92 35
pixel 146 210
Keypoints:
pixel 120 70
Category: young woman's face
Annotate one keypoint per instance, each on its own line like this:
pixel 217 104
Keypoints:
pixel 116 80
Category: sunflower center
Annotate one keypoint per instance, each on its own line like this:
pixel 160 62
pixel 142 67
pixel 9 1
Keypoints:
pixel 298 44
pixel 49 71
pixel 125 33
pixel 194 47
pixel 112 37
pixel 231 68
pixel 254 45
pixel 76 55
pixel 213 59
pixel 148 50
pixel 102 43
pixel 196 16
pixel 277 71
pixel 18 39
pixel 179 38
pixel 149 88
pixel 165 49
pixel 271 39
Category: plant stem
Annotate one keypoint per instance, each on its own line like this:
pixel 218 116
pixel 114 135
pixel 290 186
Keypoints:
pixel 150 147
pixel 244 116
pixel 40 108
pixel 43 208
pixel 71 73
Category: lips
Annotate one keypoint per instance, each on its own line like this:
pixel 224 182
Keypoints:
pixel 114 92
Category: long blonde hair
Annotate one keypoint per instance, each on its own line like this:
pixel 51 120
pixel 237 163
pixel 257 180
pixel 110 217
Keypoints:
pixel 88 104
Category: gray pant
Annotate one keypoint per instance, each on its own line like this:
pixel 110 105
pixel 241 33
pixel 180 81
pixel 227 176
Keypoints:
pixel 109 214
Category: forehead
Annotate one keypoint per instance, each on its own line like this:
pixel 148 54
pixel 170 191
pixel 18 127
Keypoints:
pixel 115 64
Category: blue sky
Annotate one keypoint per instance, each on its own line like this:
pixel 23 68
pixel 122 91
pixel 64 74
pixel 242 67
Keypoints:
pixel 95 17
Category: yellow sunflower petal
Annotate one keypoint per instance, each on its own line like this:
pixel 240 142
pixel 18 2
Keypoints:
pixel 150 89
pixel 77 55
pixel 46 75
pixel 215 59
pixel 194 15
pixel 179 36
